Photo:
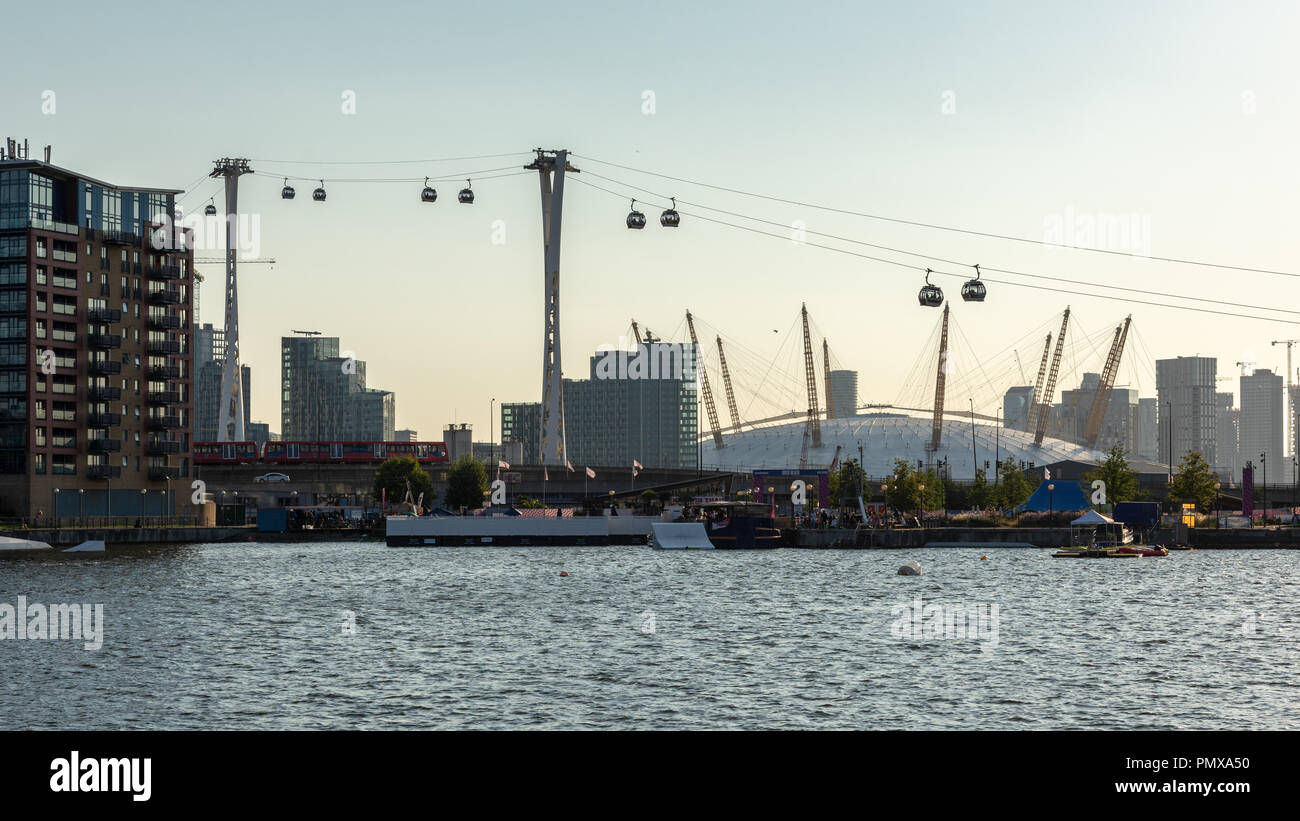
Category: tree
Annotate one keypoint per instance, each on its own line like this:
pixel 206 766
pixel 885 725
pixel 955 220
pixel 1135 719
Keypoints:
pixel 935 493
pixel 649 500
pixel 467 481
pixel 847 482
pixel 1194 482
pixel 1121 481
pixel 528 503
pixel 980 495
pixel 1013 488
pixel 393 478
pixel 902 493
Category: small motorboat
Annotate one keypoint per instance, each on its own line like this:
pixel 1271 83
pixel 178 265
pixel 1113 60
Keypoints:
pixel 1144 550
pixel 1090 552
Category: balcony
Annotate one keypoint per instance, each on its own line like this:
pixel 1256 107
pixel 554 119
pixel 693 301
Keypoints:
pixel 121 238
pixel 104 315
pixel 166 322
pixel 104 341
pixel 104 394
pixel 103 472
pixel 165 397
pixel 157 472
pixel 104 420
pixel 164 422
pixel 164 346
pixel 166 296
pixel 162 447
pixel 103 445
pixel 165 372
pixel 166 272
pixel 103 366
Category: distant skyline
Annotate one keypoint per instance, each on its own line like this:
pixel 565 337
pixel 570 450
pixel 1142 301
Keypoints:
pixel 1180 122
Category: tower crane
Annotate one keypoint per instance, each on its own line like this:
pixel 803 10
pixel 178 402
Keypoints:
pixel 1290 391
pixel 826 373
pixel 1032 422
pixel 814 422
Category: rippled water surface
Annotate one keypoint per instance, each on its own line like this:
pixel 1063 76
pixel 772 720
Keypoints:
pixel 252 636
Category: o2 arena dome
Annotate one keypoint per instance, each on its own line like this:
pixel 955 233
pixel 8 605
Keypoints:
pixel 885 437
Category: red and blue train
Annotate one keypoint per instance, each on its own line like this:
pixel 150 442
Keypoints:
pixel 287 453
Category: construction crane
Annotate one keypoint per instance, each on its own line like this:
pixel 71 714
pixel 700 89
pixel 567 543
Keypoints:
pixel 1032 422
pixel 940 382
pixel 726 383
pixel 1045 407
pixel 835 462
pixel 1023 378
pixel 636 331
pixel 709 407
pixel 814 421
pixel 826 372
pixel 198 278
pixel 1101 401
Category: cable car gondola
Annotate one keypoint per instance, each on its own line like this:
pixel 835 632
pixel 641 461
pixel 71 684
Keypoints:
pixel 287 192
pixel 973 290
pixel 211 208
pixel 319 194
pixel 466 194
pixel 635 219
pixel 428 194
pixel 670 218
pixel 931 296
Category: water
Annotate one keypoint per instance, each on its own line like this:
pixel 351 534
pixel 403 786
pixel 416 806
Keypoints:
pixel 251 636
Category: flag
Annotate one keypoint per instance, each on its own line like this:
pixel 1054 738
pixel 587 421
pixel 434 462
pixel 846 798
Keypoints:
pixel 1047 473
pixel 591 474
pixel 501 463
pixel 568 465
pixel 636 468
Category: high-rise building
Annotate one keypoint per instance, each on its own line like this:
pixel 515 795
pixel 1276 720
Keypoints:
pixel 1188 414
pixel 459 439
pixel 522 422
pixel 1262 420
pixel 96 356
pixel 324 395
pixel 1015 407
pixel 209 365
pixel 405 435
pixel 1147 436
pixel 625 413
pixel 844 393
pixel 1228 465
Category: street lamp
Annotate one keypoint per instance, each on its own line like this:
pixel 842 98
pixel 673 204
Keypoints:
pixel 611 503
pixel 920 498
pixel 143 492
pixel 1051 505
pixel 884 488
pixel 81 507
pixel 771 498
pixel 1217 485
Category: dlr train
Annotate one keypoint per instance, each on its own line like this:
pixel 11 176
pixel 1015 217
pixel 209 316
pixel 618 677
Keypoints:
pixel 287 453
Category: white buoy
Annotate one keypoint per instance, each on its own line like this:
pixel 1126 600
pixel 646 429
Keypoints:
pixel 910 569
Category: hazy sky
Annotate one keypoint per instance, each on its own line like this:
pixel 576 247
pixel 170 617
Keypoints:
pixel 1180 119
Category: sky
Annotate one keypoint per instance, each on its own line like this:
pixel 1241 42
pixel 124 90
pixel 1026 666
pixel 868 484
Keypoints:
pixel 1178 120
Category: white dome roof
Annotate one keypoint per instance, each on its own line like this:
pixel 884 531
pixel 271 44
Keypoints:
pixel 885 437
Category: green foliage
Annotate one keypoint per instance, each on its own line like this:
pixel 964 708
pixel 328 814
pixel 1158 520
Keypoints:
pixel 980 494
pixel 467 481
pixel 847 482
pixel 393 476
pixel 1013 488
pixel 528 503
pixel 905 488
pixel 1121 481
pixel 1193 482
